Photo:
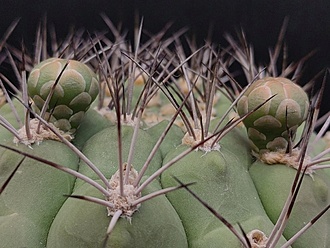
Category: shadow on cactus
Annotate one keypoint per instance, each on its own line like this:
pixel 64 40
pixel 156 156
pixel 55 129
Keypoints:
pixel 108 173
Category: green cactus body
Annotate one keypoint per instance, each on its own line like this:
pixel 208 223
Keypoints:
pixel 84 224
pixel 275 169
pixel 222 104
pixel 172 139
pixel 77 88
pixel 87 127
pixel 34 195
pixel 155 223
pixel 274 183
pixel 222 180
pixel 35 210
pixel 98 146
pixel 8 114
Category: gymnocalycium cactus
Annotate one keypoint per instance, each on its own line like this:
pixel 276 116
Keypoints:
pixel 166 129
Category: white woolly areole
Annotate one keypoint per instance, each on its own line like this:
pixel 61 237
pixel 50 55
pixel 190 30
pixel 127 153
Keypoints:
pixel 281 157
pixel 38 136
pixel 124 202
pixel 112 116
pixel 257 239
pixel 206 146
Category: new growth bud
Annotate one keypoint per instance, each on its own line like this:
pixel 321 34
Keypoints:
pixel 76 89
pixel 268 126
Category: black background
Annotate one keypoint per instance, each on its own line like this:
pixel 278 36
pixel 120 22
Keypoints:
pixel 308 29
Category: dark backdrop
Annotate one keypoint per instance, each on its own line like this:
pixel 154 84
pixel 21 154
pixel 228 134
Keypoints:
pixel 308 29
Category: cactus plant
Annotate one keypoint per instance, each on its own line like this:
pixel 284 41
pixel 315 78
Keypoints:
pixel 131 172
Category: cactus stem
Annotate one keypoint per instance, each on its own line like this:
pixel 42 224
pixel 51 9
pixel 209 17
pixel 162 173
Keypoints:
pixel 287 208
pixel 123 192
pixel 153 152
pixel 309 127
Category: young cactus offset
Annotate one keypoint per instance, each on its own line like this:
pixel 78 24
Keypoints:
pixel 71 87
pixel 292 191
pixel 271 127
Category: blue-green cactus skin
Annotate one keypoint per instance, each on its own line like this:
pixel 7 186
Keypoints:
pixel 274 183
pixel 156 223
pixel 223 181
pixel 36 192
